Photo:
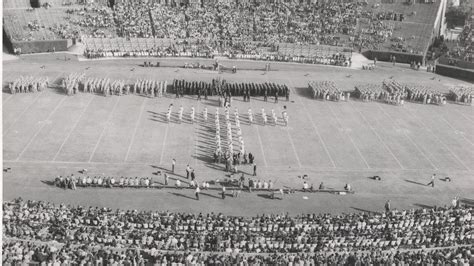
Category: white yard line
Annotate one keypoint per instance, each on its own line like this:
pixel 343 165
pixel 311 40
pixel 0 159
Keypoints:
pixel 167 128
pixel 5 131
pixel 195 125
pixel 261 147
pixel 463 115
pixel 294 148
pixel 439 140
pixel 107 123
pixel 410 139
pixel 260 142
pixel 41 128
pixel 135 130
pixel 314 126
pixel 164 143
pixel 350 138
pixel 455 130
pixel 72 129
pixel 378 136
pixel 7 99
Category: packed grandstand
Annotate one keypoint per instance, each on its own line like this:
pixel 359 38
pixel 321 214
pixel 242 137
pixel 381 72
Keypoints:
pixel 40 232
pixel 282 31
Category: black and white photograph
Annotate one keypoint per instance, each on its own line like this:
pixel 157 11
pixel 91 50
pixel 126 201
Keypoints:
pixel 237 132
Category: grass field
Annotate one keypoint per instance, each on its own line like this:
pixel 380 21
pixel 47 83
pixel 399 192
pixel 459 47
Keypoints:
pixel 49 134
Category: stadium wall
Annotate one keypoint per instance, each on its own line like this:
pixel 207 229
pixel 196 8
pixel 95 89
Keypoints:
pixel 6 42
pixel 455 62
pixel 455 72
pixel 28 47
pixel 400 57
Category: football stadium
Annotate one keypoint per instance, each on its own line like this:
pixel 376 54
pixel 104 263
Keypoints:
pixel 238 132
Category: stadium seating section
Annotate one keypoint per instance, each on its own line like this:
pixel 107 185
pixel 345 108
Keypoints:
pixel 291 28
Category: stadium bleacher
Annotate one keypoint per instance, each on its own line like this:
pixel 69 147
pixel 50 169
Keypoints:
pixel 145 19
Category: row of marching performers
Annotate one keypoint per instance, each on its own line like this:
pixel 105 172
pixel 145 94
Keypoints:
pixel 230 156
pixel 375 92
pixel 228 127
pixel 327 90
pixel 221 87
pixel 75 83
pixel 28 84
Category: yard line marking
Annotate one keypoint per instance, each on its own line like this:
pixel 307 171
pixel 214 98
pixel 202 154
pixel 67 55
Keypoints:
pixel 72 129
pixel 461 113
pixel 103 130
pixel 291 141
pixel 378 136
pixel 39 130
pixel 350 138
pixel 22 113
pixel 410 139
pixel 164 143
pixel 439 140
pixel 261 147
pixel 195 125
pixel 260 142
pixel 135 130
pixel 315 127
pixel 452 127
pixel 5 101
pixel 167 127
pixel 294 148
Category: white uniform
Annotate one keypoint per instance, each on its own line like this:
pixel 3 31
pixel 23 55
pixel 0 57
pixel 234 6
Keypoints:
pixel 205 114
pixel 192 114
pixel 181 113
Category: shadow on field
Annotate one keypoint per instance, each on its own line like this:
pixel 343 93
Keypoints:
pixel 303 92
pixel 265 196
pixel 466 201
pixel 210 195
pixel 215 166
pixel 48 182
pixel 203 158
pixel 424 206
pixel 416 183
pixel 363 210
pixel 161 168
pixel 181 195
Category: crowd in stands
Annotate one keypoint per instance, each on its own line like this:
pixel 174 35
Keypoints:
pixel 16 252
pixel 93 20
pixel 465 46
pixel 327 90
pixel 133 19
pixel 157 232
pixel 28 84
pixel 233 28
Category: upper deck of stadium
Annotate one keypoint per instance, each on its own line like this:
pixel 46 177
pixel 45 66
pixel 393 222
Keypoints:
pixel 247 26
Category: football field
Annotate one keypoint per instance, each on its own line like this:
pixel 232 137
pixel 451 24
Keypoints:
pixel 49 134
